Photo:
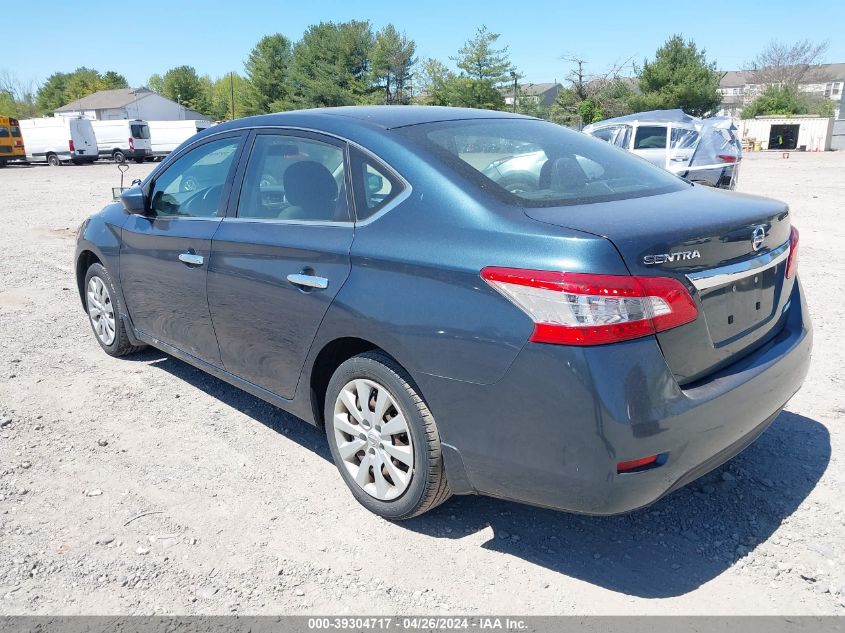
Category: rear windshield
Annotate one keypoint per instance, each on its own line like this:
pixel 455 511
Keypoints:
pixel 140 130
pixel 538 164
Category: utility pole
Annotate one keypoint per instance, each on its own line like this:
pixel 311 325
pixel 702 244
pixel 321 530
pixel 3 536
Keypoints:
pixel 514 77
pixel 232 91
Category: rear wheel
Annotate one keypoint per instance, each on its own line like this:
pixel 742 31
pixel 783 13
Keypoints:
pixel 118 156
pixel 383 438
pixel 101 303
pixel 139 160
pixel 53 160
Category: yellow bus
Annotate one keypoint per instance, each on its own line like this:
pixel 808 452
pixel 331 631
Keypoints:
pixel 11 142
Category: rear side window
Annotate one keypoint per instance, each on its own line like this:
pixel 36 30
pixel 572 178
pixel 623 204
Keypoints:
pixel 139 130
pixel 4 132
pixel 294 178
pixel 375 185
pixel 650 137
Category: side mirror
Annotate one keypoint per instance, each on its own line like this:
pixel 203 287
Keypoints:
pixel 374 183
pixel 133 200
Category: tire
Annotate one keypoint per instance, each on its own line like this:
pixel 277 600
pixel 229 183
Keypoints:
pixel 53 160
pixel 410 492
pixel 118 156
pixel 118 343
pixel 139 160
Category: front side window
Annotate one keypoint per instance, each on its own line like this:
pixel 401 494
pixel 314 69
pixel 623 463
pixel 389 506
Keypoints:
pixel 538 164
pixel 294 178
pixel 193 185
pixel 650 137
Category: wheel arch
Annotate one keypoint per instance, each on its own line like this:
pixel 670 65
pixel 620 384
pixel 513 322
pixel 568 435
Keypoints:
pixel 332 355
pixel 83 263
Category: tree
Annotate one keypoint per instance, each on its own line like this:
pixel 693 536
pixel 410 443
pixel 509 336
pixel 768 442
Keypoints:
pixel 786 100
pixel 679 77
pixel 182 84
pixel 330 65
pixel 487 69
pixel 51 95
pixel 392 61
pixel 64 88
pixel 17 97
pixel 220 107
pixel 267 72
pixel 781 64
pixel 111 80
pixel 434 81
pixel 156 83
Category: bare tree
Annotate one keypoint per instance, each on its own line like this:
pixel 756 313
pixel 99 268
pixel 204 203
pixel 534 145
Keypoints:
pixel 577 76
pixel 783 64
pixel 21 91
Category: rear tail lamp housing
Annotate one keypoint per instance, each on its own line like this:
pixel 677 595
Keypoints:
pixel 792 260
pixel 131 144
pixel 70 145
pixel 586 309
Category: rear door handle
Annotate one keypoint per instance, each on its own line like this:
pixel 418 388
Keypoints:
pixel 191 259
pixel 309 281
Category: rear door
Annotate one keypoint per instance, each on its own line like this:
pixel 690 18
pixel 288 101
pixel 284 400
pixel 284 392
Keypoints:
pixel 140 137
pixel 84 140
pixel 280 256
pixel 164 254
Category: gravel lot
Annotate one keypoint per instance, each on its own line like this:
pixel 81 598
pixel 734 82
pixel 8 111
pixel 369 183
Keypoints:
pixel 247 514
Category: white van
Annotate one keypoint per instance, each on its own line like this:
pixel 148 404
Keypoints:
pixel 168 135
pixel 120 139
pixel 58 139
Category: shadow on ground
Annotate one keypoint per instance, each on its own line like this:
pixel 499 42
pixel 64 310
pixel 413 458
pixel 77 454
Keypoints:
pixel 665 550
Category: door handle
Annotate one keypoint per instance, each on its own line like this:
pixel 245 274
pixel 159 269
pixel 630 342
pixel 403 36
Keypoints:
pixel 191 259
pixel 309 281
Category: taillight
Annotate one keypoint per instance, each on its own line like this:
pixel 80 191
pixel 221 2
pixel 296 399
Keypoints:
pixel 792 260
pixel 70 145
pixel 586 309
pixel 131 143
pixel 727 158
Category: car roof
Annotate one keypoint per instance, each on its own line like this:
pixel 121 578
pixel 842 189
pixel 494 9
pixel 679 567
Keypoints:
pixel 383 116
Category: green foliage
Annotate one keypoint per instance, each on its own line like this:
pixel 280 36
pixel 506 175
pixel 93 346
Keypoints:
pixel 182 84
pixel 392 59
pixel 8 106
pixel 267 73
pixel 679 77
pixel 786 100
pixel 331 65
pixel 63 88
pixel 485 70
pixel 156 83
pixel 603 99
pixel 220 99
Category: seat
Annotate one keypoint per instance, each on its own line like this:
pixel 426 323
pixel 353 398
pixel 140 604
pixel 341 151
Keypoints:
pixel 562 174
pixel 311 190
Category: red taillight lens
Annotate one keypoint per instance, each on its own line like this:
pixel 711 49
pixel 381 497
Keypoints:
pixel 727 158
pixel 792 260
pixel 635 464
pixel 70 145
pixel 131 143
pixel 586 309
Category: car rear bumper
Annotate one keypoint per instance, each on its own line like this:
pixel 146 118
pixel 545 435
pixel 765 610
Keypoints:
pixel 553 430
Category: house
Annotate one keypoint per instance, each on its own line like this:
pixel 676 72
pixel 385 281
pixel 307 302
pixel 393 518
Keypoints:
pixel 738 88
pixel 539 94
pixel 128 103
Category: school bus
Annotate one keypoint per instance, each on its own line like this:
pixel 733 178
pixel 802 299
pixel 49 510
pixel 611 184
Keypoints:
pixel 11 142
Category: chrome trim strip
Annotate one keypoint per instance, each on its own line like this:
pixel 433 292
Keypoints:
pixel 310 281
pixel 734 272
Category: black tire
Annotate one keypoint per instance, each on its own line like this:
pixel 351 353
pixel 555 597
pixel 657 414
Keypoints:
pixel 118 156
pixel 428 487
pixel 53 160
pixel 2 164
pixel 139 160
pixel 120 346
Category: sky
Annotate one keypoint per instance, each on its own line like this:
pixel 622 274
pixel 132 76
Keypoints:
pixel 139 39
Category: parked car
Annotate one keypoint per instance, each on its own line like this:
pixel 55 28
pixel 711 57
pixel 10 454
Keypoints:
pixel 582 346
pixel 59 139
pixel 704 151
pixel 166 136
pixel 120 139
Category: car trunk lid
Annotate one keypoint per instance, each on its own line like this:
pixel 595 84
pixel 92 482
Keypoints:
pixel 728 249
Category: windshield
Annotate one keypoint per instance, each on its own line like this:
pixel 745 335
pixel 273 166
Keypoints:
pixel 539 164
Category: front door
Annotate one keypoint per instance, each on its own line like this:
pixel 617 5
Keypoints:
pixel 164 254
pixel 280 257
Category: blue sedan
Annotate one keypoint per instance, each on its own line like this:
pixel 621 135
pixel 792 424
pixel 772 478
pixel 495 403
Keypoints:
pixel 589 341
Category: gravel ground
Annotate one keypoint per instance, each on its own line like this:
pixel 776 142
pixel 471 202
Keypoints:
pixel 144 486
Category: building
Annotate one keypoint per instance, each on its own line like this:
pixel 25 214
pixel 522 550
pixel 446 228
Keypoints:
pixel 128 103
pixel 738 88
pixel 797 132
pixel 538 94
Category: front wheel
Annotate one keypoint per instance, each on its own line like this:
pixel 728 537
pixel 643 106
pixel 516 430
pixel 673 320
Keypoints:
pixel 101 303
pixel 383 438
